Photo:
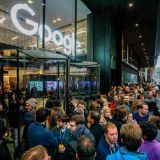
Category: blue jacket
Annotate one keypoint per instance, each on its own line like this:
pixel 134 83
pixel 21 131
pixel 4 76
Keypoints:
pixel 123 154
pixel 139 119
pixel 82 130
pixel 39 135
pixel 103 149
pixel 71 149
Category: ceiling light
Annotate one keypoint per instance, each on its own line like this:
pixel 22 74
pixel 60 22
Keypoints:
pixel 30 1
pixel 143 49
pixel 58 19
pixel 14 38
pixel 140 36
pixel 142 44
pixel 82 42
pixel 59 47
pixel 34 45
pixel 54 21
pixel 136 25
pixel 130 5
pixel 2 20
pixel 81 32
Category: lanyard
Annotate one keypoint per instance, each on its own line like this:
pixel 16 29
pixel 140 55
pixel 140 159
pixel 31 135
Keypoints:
pixel 62 135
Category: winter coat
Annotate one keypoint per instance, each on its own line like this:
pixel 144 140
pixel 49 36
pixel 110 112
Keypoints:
pixel 103 149
pixel 39 135
pixel 123 154
pixel 71 149
pixel 97 131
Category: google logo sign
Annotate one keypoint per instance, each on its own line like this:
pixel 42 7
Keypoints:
pixel 55 36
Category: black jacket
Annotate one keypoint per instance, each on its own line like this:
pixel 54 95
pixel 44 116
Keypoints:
pixel 71 149
pixel 4 152
pixel 97 131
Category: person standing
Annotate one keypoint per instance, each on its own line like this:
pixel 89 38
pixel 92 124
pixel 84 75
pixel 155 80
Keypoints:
pixel 131 137
pixel 108 142
pixel 142 114
pixel 38 134
pixel 29 117
pixel 150 145
pixel 85 149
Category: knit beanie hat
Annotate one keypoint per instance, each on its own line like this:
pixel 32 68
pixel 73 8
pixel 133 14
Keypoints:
pixel 32 102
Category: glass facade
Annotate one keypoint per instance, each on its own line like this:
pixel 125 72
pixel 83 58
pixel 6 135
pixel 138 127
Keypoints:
pixel 65 34
pixel 62 20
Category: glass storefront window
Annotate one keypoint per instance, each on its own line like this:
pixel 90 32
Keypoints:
pixel 82 13
pixel 60 19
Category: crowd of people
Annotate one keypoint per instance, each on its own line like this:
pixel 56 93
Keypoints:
pixel 122 125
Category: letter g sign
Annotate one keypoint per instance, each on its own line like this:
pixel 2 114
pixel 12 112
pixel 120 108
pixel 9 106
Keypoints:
pixel 14 11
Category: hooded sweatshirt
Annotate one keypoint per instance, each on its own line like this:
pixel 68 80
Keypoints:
pixel 152 148
pixel 123 154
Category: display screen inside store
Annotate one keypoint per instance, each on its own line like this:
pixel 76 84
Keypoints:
pixel 53 85
pixel 36 85
pixel 45 86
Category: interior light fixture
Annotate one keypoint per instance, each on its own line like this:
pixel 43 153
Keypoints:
pixel 82 42
pixel 14 38
pixel 58 19
pixel 130 5
pixel 54 21
pixel 59 47
pixel 30 1
pixel 143 49
pixel 136 25
pixel 81 32
pixel 140 36
pixel 34 45
pixel 142 44
pixel 2 20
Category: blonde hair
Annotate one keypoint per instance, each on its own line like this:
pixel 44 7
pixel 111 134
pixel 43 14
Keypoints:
pixel 109 125
pixel 37 153
pixel 105 109
pixel 131 135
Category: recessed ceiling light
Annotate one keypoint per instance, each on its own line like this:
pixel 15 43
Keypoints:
pixel 2 20
pixel 130 5
pixel 14 38
pixel 140 36
pixel 142 44
pixel 58 19
pixel 136 25
pixel 30 1
pixel 143 49
pixel 54 21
